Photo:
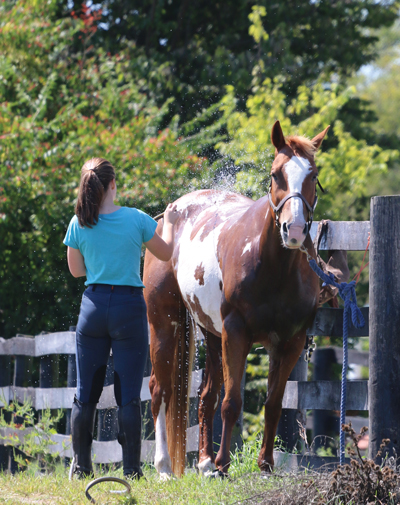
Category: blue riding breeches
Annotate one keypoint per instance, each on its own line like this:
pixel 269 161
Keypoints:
pixel 111 317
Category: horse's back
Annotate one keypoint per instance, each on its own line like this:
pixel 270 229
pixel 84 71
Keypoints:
pixel 204 215
pixel 211 202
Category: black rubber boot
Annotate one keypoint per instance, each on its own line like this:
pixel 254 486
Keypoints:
pixel 82 427
pixel 130 437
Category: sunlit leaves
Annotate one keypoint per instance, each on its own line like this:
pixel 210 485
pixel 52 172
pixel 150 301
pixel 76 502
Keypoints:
pixel 347 166
pixel 61 103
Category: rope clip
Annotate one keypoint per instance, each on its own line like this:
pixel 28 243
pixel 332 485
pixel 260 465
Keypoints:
pixel 309 348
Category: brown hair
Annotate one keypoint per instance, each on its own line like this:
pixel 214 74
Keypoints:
pixel 304 144
pixel 96 175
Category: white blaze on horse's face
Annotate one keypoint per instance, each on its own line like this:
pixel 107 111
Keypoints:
pixel 293 223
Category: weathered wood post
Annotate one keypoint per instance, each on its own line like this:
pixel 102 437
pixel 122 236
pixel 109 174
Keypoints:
pixel 22 367
pixel 384 317
pixel 288 427
pixel 46 370
pixel 5 381
pixel 325 423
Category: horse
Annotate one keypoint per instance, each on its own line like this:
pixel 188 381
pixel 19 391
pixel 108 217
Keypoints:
pixel 239 269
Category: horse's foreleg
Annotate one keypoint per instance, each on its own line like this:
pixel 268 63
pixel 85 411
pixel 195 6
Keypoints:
pixel 209 400
pixel 236 345
pixel 280 366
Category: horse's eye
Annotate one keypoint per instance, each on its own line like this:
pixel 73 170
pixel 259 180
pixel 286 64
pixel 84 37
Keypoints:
pixel 314 178
pixel 274 176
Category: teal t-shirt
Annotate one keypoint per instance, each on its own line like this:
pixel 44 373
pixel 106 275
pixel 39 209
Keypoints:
pixel 111 248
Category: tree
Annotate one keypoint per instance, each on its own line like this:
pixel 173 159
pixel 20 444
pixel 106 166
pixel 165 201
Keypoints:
pixel 380 83
pixel 200 47
pixel 346 164
pixel 61 106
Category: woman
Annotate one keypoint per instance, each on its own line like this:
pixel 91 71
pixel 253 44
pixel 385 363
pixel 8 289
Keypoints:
pixel 104 244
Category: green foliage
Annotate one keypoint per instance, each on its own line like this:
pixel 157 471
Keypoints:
pixel 76 83
pixel 31 437
pixel 379 84
pixel 200 47
pixel 244 461
pixel 62 103
pixel 347 165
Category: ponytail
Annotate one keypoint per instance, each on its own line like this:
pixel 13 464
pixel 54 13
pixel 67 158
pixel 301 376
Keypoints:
pixel 97 173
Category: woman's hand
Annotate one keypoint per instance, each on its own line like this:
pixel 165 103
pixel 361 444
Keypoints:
pixel 171 214
pixel 162 248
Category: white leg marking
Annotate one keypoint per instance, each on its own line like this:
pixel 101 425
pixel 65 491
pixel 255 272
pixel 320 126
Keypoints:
pixel 162 461
pixel 206 467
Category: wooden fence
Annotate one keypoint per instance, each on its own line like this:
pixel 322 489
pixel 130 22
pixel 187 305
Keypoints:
pixel 380 395
pixel 47 345
pixel 300 394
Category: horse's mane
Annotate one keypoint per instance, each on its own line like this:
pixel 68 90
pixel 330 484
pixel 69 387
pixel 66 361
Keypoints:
pixel 303 144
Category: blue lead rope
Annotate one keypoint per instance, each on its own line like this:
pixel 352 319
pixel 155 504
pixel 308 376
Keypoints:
pixel 347 292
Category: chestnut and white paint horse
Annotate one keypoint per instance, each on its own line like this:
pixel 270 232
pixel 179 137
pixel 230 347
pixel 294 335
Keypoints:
pixel 237 269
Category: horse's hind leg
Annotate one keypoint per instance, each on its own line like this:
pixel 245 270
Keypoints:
pixel 209 400
pixel 164 306
pixel 162 350
pixel 281 365
pixel 236 345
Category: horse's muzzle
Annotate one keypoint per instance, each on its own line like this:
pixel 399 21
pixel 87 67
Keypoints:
pixel 293 236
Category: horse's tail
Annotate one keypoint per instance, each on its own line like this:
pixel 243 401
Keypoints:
pixel 178 410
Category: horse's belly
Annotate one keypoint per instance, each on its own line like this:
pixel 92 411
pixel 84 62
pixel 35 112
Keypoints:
pixel 200 279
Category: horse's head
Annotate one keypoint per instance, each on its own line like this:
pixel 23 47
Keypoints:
pixel 294 177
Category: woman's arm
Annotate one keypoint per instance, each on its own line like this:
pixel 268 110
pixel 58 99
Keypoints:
pixel 162 248
pixel 76 263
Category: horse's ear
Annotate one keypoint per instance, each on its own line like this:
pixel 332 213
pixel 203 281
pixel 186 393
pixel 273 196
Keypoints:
pixel 277 136
pixel 317 140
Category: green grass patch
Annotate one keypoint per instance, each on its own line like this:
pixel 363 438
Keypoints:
pixel 31 487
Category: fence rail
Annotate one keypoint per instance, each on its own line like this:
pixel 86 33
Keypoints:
pixel 62 398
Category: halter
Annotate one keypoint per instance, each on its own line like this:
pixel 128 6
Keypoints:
pixel 277 209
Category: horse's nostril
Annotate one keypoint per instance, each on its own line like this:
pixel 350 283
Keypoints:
pixel 284 228
pixel 293 241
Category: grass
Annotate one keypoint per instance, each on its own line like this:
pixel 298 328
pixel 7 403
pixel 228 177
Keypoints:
pixel 360 482
pixel 245 485
pixel 25 488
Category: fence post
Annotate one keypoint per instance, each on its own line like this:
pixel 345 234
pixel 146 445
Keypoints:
pixel 5 381
pixel 325 423
pixel 384 324
pixel 22 366
pixel 46 367
pixel 288 427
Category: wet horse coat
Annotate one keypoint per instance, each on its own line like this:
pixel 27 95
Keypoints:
pixel 243 280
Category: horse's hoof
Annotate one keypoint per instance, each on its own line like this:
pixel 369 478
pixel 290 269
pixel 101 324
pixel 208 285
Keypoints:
pixel 218 474
pixel 266 474
pixel 164 476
